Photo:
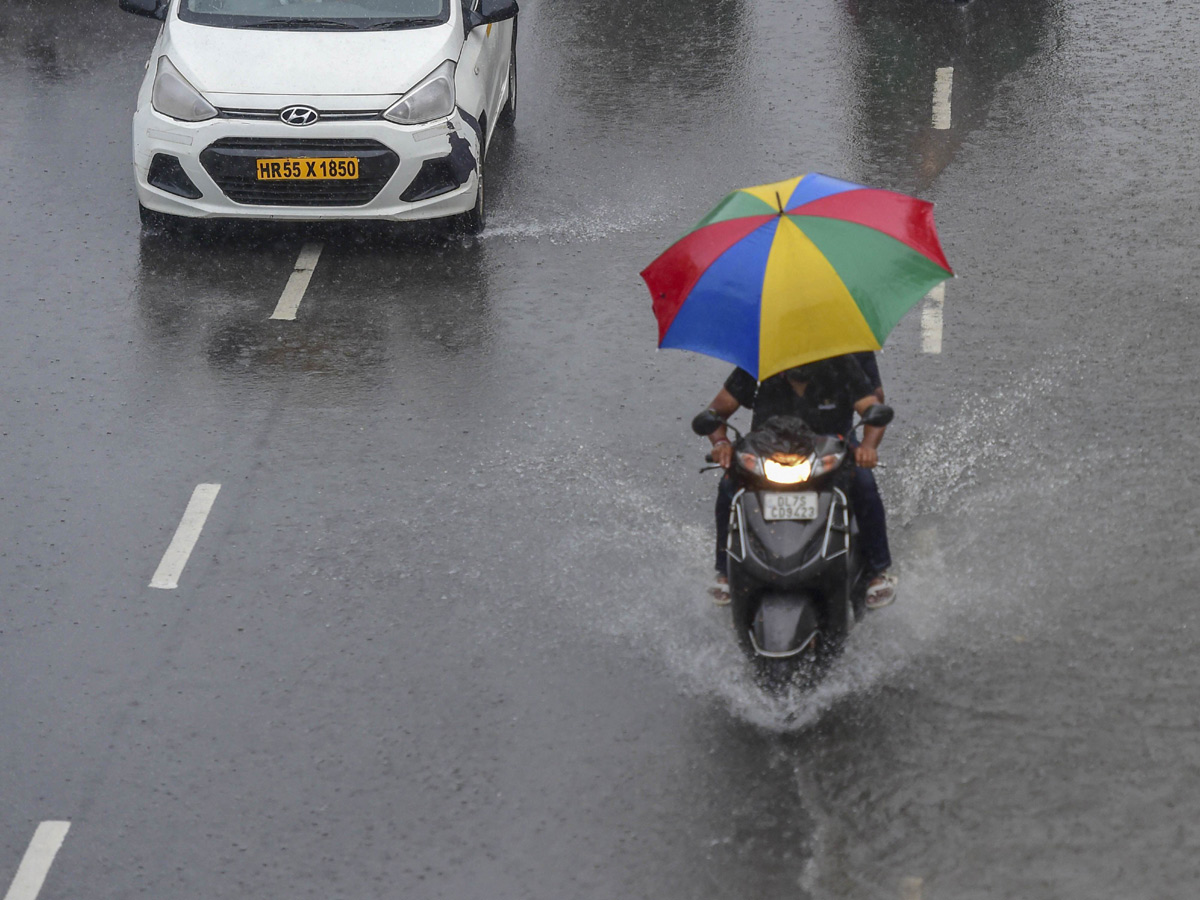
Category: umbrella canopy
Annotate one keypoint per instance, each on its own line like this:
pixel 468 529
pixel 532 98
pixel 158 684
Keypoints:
pixel 788 273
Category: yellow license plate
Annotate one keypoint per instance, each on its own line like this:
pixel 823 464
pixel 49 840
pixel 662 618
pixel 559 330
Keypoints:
pixel 314 168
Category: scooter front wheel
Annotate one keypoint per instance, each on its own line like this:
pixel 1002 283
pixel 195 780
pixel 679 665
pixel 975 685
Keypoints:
pixel 775 676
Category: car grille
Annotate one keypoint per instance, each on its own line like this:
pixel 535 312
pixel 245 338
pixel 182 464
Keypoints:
pixel 272 115
pixel 232 164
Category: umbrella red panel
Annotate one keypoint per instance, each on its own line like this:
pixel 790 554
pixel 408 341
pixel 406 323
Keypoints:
pixel 672 276
pixel 906 219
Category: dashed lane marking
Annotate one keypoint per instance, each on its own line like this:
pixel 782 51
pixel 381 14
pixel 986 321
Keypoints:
pixel 931 315
pixel 186 535
pixel 31 874
pixel 943 86
pixel 931 320
pixel 911 888
pixel 298 283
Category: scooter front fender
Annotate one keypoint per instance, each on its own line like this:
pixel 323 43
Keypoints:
pixel 785 624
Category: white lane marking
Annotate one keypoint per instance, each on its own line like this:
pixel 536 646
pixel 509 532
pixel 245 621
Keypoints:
pixel 298 283
pixel 35 866
pixel 942 86
pixel 911 888
pixel 186 535
pixel 931 320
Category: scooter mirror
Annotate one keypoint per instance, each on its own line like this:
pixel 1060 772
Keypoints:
pixel 878 415
pixel 706 423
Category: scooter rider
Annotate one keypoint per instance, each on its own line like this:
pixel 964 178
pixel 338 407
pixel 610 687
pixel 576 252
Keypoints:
pixel 825 395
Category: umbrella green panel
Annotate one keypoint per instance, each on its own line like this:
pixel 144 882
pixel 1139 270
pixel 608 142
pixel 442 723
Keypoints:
pixel 737 205
pixel 885 277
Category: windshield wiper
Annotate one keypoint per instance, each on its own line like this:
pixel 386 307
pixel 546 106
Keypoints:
pixel 402 23
pixel 302 23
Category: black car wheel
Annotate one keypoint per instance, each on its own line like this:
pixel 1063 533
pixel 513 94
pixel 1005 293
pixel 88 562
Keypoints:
pixel 152 220
pixel 508 115
pixel 472 222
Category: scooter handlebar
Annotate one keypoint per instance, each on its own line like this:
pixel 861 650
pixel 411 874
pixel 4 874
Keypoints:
pixel 708 458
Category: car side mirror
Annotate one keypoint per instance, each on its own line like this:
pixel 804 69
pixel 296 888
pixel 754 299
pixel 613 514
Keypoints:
pixel 706 423
pixel 151 9
pixel 878 415
pixel 489 11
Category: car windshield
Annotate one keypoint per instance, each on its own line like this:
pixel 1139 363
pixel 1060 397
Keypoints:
pixel 316 15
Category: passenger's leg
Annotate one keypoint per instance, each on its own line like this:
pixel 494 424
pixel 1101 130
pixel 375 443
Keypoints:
pixel 872 522
pixel 872 536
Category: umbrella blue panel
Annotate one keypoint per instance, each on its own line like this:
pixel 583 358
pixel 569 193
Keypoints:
pixel 815 186
pixel 721 315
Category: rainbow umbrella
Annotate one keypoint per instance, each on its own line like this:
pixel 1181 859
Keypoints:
pixel 788 273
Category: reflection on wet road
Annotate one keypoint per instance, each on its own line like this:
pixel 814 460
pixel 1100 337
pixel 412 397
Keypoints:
pixel 445 632
pixel 902 52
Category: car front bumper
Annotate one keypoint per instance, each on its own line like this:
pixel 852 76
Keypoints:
pixel 433 165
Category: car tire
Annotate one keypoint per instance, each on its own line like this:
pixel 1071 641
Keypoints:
pixel 508 115
pixel 472 222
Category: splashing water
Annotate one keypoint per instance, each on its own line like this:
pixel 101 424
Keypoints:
pixel 949 480
pixel 661 572
pixel 600 222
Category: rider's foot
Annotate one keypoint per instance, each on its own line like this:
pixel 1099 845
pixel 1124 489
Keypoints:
pixel 720 592
pixel 881 591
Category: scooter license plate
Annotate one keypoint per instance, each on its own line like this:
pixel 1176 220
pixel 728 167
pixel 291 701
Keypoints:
pixel 797 505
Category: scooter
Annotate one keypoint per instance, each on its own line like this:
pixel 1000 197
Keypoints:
pixel 797 581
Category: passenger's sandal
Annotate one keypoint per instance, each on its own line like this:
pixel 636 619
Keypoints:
pixel 882 591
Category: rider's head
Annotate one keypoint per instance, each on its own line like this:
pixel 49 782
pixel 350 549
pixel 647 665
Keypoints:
pixel 801 375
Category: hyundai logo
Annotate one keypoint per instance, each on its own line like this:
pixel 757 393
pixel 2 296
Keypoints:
pixel 299 115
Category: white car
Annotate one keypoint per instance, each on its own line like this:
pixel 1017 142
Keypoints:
pixel 322 109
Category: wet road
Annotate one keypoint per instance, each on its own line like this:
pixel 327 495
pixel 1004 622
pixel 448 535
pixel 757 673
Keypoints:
pixel 444 633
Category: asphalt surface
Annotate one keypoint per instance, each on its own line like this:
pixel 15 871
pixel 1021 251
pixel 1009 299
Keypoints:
pixel 445 634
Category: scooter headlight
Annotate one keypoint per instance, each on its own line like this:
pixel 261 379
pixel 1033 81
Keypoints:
pixel 751 462
pixel 787 470
pixel 798 469
pixel 827 463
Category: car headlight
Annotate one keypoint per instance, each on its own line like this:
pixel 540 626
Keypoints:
pixel 432 98
pixel 173 96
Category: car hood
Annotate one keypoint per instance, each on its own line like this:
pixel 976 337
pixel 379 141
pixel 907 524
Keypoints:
pixel 260 61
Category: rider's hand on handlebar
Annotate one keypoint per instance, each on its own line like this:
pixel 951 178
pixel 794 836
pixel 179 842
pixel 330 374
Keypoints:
pixel 722 454
pixel 866 457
